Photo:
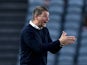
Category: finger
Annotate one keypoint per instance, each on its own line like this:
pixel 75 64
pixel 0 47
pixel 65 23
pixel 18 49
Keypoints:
pixel 71 37
pixel 64 33
pixel 71 42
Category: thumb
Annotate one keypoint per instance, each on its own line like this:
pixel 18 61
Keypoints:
pixel 64 33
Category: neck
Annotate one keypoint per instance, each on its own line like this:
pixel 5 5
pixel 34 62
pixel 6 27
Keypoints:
pixel 36 23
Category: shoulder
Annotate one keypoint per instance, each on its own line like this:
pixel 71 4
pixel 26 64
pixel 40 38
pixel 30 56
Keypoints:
pixel 27 29
pixel 45 28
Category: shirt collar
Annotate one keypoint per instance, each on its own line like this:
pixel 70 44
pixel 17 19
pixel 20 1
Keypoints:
pixel 33 25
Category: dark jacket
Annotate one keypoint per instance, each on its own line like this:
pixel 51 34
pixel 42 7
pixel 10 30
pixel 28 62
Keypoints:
pixel 35 44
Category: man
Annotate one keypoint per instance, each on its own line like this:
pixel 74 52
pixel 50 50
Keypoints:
pixel 36 41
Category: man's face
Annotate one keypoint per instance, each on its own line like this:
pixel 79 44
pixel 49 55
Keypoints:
pixel 43 18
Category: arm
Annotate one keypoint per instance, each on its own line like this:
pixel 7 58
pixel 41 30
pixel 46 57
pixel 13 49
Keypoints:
pixel 55 45
pixel 37 46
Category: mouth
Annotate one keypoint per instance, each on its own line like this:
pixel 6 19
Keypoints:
pixel 45 21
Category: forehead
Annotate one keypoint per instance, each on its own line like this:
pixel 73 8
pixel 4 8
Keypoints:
pixel 45 13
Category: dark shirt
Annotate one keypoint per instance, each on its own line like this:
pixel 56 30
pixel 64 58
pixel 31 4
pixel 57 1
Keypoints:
pixel 35 44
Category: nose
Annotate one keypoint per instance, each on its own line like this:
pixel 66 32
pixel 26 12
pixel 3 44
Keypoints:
pixel 47 18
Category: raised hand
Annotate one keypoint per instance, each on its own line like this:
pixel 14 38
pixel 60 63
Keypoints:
pixel 65 40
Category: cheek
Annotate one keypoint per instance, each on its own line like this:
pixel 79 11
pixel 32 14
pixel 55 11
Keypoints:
pixel 44 19
pixel 40 19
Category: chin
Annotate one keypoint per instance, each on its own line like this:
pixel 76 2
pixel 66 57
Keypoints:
pixel 44 25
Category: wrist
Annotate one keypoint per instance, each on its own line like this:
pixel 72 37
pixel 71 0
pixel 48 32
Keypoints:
pixel 61 43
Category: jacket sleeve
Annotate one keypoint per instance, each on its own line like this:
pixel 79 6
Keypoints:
pixel 37 46
pixel 54 46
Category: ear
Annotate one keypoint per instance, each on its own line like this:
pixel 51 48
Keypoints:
pixel 35 16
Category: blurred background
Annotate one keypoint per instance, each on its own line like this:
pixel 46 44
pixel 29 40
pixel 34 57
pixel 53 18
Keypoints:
pixel 67 15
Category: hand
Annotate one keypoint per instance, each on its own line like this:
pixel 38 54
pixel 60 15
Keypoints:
pixel 65 40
